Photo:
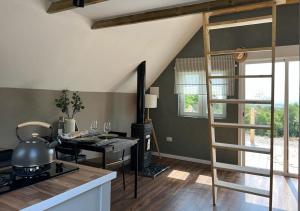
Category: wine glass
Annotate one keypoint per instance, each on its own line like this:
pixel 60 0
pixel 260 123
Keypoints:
pixel 94 125
pixel 106 127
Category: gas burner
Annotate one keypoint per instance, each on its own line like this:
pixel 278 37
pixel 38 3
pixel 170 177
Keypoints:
pixel 12 178
pixel 29 172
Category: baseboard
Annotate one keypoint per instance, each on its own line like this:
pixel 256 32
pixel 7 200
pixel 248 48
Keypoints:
pixel 178 157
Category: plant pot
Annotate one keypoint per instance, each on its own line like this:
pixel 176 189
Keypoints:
pixel 69 126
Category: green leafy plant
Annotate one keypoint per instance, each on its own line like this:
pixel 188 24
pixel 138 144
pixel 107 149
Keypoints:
pixel 263 117
pixel 63 103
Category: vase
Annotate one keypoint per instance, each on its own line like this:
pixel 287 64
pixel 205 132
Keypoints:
pixel 69 126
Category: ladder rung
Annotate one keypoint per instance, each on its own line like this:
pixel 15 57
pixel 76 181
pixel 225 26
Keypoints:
pixel 241 148
pixel 239 76
pixel 239 101
pixel 242 8
pixel 242 50
pixel 242 188
pixel 242 169
pixel 236 125
pixel 240 22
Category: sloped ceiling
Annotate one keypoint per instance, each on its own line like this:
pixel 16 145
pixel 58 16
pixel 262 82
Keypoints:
pixel 43 51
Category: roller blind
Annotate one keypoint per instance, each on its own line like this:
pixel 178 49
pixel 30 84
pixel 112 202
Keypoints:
pixel 190 76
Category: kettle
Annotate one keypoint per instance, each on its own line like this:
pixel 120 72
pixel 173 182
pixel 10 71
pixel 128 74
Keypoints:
pixel 35 152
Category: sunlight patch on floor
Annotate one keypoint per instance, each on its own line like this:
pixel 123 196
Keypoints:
pixel 180 175
pixel 203 179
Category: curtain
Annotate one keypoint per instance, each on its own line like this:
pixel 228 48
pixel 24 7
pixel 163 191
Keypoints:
pixel 190 76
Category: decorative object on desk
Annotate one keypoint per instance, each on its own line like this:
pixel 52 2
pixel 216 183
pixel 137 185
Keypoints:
pixel 63 103
pixel 75 134
pixel 151 102
pixel 69 126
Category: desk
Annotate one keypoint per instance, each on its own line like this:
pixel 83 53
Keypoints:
pixel 76 145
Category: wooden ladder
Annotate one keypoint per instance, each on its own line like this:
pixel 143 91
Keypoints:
pixel 207 27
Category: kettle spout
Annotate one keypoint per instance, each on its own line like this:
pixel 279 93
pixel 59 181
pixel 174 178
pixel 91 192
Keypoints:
pixel 54 143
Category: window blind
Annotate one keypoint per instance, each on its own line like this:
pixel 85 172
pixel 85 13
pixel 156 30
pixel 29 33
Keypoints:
pixel 190 76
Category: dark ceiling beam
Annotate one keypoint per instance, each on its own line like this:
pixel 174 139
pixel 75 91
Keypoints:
pixel 171 12
pixel 178 11
pixel 63 5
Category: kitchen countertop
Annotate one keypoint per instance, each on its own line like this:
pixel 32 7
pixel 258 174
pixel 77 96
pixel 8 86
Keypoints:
pixel 55 190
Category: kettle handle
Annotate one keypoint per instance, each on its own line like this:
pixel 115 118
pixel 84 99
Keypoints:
pixel 33 123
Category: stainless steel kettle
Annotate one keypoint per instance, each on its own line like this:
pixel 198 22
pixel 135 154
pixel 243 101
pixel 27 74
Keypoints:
pixel 35 152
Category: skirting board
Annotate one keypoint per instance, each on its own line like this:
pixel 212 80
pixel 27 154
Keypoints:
pixel 178 157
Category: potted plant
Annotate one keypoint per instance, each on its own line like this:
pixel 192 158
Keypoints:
pixel 69 108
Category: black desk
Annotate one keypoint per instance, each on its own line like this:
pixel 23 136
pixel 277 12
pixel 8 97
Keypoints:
pixel 76 145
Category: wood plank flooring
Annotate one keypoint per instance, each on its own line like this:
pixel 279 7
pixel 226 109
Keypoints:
pixel 186 186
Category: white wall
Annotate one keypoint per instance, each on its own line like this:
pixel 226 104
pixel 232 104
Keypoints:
pixel 55 51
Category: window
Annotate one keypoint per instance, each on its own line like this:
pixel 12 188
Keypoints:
pixel 196 106
pixel 190 85
pixel 286 113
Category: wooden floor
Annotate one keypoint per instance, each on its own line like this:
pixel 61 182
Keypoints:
pixel 187 186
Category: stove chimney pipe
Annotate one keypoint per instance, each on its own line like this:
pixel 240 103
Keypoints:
pixel 141 71
pixel 78 3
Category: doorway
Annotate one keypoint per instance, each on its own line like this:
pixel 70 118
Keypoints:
pixel 286 114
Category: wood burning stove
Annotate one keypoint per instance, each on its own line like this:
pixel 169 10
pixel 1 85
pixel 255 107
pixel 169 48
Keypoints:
pixel 143 130
pixel 140 129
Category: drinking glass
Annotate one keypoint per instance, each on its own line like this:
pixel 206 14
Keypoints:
pixel 106 127
pixel 94 125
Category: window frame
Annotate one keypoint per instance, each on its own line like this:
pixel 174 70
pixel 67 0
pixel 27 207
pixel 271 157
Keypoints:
pixel 203 113
pixel 264 59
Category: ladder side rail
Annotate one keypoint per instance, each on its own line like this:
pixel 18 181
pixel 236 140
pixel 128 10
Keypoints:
pixel 211 134
pixel 274 14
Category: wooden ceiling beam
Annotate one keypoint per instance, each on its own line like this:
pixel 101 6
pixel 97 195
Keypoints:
pixel 172 12
pixel 63 5
pixel 180 11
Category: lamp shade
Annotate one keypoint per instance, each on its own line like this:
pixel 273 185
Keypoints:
pixel 150 101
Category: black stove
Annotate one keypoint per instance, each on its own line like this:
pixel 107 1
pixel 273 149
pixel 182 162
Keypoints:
pixel 9 181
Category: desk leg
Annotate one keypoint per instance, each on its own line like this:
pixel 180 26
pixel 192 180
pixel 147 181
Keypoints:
pixel 136 170
pixel 76 155
pixel 103 160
